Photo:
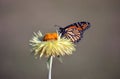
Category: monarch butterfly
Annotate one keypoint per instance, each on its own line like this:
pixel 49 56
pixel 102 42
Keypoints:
pixel 74 31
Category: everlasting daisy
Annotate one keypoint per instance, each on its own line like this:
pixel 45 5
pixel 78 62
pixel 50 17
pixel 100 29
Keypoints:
pixel 51 44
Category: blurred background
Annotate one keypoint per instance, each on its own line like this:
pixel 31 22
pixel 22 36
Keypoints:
pixel 97 55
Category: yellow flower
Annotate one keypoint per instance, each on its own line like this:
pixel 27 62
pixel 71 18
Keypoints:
pixel 51 44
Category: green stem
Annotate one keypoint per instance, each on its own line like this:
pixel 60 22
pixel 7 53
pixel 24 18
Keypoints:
pixel 50 67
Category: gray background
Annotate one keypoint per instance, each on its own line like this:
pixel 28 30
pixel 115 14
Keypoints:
pixel 97 55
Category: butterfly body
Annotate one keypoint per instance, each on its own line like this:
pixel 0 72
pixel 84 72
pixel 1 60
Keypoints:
pixel 74 31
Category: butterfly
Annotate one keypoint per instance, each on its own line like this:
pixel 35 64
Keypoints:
pixel 74 31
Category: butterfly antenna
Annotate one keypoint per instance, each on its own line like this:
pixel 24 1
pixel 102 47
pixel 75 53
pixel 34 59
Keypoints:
pixel 57 26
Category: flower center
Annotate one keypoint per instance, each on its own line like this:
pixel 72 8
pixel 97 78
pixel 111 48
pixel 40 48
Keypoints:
pixel 50 36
